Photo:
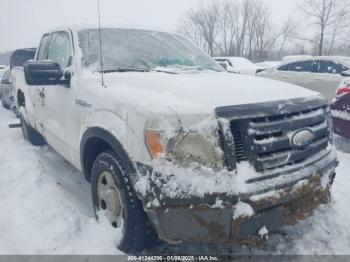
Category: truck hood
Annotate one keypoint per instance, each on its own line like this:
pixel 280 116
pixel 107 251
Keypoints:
pixel 197 93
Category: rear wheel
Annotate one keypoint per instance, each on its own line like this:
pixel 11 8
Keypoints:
pixel 114 198
pixel 31 134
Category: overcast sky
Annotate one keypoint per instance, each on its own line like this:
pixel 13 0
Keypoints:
pixel 23 21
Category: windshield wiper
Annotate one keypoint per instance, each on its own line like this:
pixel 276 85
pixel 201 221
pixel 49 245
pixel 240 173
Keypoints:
pixel 190 68
pixel 164 71
pixel 125 69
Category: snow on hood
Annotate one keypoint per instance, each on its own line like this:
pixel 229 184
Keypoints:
pixel 197 93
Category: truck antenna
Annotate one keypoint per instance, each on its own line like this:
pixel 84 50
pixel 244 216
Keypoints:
pixel 100 39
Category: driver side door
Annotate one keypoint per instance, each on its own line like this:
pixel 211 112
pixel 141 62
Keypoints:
pixel 59 100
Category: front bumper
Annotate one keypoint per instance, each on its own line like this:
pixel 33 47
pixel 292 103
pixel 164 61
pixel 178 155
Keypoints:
pixel 197 220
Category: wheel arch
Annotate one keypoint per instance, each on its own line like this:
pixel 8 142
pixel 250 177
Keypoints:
pixel 20 98
pixel 96 140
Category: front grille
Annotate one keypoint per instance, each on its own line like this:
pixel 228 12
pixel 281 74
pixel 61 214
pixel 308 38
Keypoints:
pixel 262 135
pixel 239 150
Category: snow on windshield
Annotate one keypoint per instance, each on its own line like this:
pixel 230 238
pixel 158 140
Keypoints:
pixel 140 49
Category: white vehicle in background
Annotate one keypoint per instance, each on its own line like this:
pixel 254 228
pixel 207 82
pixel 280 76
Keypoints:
pixel 175 147
pixel 239 65
pixel 17 81
pixel 6 90
pixel 321 74
pixel 2 70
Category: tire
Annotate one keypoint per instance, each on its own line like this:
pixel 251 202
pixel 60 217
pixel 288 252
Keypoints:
pixel 3 103
pixel 31 134
pixel 137 232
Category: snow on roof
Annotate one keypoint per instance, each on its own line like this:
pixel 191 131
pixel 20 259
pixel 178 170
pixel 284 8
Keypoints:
pixel 111 24
pixel 344 59
pixel 292 58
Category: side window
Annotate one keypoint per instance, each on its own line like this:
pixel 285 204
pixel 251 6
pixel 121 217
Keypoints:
pixel 342 68
pixel 44 47
pixel 302 66
pixel 6 75
pixel 329 67
pixel 60 50
pixel 283 68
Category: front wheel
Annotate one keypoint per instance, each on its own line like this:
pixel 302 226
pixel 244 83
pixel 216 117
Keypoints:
pixel 114 198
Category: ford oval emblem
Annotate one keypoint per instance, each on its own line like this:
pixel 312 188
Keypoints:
pixel 302 138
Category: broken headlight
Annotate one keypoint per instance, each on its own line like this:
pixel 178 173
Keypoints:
pixel 185 146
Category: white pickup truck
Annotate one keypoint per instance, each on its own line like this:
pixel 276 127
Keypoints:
pixel 174 147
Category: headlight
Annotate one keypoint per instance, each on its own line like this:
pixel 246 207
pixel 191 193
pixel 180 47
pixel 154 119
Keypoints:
pixel 185 147
pixel 155 143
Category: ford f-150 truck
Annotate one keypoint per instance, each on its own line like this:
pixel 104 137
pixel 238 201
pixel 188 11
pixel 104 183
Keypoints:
pixel 175 148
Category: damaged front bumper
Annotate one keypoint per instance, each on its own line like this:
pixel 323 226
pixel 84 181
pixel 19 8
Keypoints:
pixel 203 220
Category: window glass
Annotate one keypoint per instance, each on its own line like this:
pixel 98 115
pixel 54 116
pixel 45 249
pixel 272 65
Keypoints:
pixel 7 75
pixel 329 67
pixel 142 49
pixel 283 68
pixel 44 47
pixel 60 50
pixel 342 68
pixel 302 66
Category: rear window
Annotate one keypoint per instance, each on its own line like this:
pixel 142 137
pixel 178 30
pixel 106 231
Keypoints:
pixel 329 67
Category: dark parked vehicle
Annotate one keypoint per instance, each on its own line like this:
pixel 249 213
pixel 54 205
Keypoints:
pixel 341 109
pixel 6 90
pixel 9 85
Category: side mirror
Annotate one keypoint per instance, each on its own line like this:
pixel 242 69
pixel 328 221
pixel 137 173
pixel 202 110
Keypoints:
pixel 42 72
pixel 223 65
pixel 345 73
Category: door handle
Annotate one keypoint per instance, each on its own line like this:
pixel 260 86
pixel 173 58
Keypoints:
pixel 42 94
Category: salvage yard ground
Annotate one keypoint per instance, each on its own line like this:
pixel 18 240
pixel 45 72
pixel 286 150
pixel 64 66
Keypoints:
pixel 46 209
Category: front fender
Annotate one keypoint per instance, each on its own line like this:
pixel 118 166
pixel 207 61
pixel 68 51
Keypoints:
pixel 114 129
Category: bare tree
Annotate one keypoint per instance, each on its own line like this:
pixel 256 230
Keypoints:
pixel 325 15
pixel 288 32
pixel 235 28
pixel 202 25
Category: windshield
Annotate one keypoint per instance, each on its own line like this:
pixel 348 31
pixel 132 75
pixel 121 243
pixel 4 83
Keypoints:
pixel 141 49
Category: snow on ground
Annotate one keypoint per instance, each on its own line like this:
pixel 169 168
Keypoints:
pixel 45 204
pixel 45 208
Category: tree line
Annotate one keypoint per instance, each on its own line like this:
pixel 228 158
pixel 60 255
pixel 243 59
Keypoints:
pixel 245 28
